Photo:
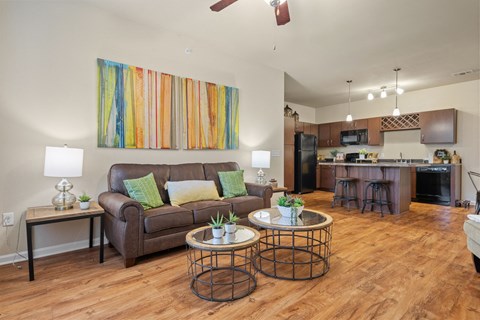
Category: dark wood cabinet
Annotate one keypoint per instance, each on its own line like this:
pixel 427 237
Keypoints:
pixel 317 180
pixel 439 126
pixel 375 136
pixel 299 126
pixel 413 182
pixel 355 124
pixel 329 134
pixel 327 177
pixel 288 130
pixel 288 167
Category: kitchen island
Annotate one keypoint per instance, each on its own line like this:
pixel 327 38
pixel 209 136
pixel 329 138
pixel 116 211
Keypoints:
pixel 397 173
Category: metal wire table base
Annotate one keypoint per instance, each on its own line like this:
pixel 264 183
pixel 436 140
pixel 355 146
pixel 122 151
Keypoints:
pixel 294 254
pixel 222 275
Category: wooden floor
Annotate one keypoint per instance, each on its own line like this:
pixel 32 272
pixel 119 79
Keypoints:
pixel 413 265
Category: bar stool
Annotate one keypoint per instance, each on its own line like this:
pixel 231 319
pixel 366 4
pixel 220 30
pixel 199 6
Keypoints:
pixel 379 188
pixel 348 190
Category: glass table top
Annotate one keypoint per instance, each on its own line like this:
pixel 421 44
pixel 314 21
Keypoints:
pixel 273 217
pixel 240 235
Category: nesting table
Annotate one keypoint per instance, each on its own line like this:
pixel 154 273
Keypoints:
pixel 293 248
pixel 222 269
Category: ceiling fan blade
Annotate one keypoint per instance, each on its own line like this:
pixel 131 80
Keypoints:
pixel 222 4
pixel 282 15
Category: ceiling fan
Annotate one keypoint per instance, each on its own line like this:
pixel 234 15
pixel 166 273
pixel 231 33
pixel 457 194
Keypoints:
pixel 280 6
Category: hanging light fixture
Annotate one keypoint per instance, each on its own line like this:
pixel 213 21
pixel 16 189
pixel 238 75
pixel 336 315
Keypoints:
pixel 370 96
pixel 396 111
pixel 383 94
pixel 349 116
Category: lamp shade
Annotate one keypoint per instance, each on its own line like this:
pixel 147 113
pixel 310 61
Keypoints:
pixel 63 162
pixel 260 159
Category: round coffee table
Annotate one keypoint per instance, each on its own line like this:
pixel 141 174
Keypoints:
pixel 222 269
pixel 293 249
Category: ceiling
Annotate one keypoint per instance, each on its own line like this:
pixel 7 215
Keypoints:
pixel 330 41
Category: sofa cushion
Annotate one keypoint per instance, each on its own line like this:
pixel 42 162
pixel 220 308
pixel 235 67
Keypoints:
pixel 181 192
pixel 187 171
pixel 166 217
pixel 232 183
pixel 242 206
pixel 145 191
pixel 123 171
pixel 472 230
pixel 212 169
pixel 203 210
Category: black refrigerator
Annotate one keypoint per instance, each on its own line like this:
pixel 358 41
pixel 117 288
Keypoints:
pixel 305 163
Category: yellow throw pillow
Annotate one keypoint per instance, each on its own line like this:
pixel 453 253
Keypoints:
pixel 181 192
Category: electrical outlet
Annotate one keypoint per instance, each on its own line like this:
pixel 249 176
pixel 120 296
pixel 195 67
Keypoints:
pixel 8 219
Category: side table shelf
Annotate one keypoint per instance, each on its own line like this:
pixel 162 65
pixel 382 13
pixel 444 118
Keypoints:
pixel 48 214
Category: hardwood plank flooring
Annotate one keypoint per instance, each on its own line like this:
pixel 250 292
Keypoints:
pixel 413 265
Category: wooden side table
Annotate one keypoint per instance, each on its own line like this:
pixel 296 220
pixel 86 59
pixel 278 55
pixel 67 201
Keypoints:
pixel 281 189
pixel 48 214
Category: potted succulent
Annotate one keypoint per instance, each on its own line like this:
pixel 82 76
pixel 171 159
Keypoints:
pixel 217 226
pixel 290 206
pixel 362 153
pixel 84 200
pixel 446 158
pixel 231 224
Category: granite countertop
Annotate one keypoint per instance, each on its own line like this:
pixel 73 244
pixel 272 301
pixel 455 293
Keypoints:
pixel 383 164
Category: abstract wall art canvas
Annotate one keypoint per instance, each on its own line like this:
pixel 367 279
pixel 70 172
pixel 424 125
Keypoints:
pixel 146 109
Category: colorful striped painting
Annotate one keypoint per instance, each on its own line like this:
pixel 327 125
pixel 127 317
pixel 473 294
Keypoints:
pixel 140 108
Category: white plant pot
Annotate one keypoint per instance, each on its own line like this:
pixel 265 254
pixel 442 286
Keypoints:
pixel 84 205
pixel 217 232
pixel 362 156
pixel 288 212
pixel 230 227
pixel 445 161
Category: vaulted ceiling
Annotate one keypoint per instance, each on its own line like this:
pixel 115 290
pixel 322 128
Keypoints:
pixel 330 41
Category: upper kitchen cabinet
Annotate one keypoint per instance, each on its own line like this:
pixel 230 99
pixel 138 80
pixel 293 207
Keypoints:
pixel 439 126
pixel 375 136
pixel 329 134
pixel 299 126
pixel 354 125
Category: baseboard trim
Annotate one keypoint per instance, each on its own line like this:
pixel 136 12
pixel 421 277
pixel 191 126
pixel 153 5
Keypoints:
pixel 48 251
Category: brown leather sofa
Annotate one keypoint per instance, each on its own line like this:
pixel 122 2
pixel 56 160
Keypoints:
pixel 135 232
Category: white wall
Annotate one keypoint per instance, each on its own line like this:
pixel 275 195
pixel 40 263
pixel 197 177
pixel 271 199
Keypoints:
pixel 305 113
pixel 465 97
pixel 48 92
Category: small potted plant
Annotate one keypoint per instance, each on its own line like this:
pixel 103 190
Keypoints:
pixel 362 153
pixel 217 226
pixel 446 158
pixel 84 200
pixel 231 224
pixel 290 206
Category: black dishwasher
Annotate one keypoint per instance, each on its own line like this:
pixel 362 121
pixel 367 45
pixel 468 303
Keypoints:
pixel 433 185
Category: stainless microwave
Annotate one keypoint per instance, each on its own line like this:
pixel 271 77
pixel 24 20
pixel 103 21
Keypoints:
pixel 354 137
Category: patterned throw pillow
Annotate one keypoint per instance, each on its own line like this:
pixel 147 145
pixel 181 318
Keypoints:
pixel 145 191
pixel 232 183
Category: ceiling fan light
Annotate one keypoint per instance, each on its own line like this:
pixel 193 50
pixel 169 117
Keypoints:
pixel 396 112
pixel 370 96
pixel 400 90
pixel 383 94
pixel 349 118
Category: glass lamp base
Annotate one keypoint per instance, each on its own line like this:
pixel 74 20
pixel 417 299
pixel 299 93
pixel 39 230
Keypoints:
pixel 261 177
pixel 64 200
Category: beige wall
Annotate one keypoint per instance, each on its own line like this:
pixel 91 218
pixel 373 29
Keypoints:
pixel 462 96
pixel 48 97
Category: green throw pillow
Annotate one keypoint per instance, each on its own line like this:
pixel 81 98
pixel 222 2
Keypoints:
pixel 232 183
pixel 145 191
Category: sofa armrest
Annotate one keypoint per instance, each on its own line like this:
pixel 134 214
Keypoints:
pixel 116 204
pixel 260 190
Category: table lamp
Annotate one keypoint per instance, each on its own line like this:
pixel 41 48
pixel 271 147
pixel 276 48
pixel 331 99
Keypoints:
pixel 261 159
pixel 63 163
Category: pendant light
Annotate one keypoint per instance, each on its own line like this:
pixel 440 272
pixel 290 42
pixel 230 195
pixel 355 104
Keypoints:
pixel 396 111
pixel 349 116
